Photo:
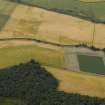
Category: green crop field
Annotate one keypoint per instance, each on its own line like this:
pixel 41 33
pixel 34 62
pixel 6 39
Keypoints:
pixel 3 20
pixel 6 9
pixel 91 11
pixel 91 64
pixel 12 55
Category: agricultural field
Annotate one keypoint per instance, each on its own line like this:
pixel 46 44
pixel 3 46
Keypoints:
pixel 12 53
pixel 78 82
pixel 93 1
pixel 6 9
pixel 69 22
pixel 26 21
pixel 92 64
pixel 15 52
pixel 22 21
pixel 45 25
pixel 91 11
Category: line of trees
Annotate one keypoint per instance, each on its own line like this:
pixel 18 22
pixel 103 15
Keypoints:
pixel 33 84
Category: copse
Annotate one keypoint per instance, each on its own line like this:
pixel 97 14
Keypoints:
pixel 34 85
pixel 27 81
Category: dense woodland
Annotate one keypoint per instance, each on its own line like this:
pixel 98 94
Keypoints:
pixel 33 84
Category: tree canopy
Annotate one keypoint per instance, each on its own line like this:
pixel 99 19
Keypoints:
pixel 36 86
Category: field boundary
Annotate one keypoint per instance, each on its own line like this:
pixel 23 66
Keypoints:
pixel 54 44
pixel 82 72
pixel 65 12
pixel 97 1
pixel 60 46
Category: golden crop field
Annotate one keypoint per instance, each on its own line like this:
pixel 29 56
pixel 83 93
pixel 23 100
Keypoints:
pixel 37 23
pixel 76 82
pixel 33 22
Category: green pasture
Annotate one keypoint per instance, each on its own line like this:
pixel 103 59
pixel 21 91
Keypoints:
pixel 6 9
pixel 91 64
pixel 91 11
pixel 12 55
pixel 3 20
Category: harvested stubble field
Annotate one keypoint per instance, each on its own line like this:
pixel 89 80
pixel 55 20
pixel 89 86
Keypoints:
pixel 76 82
pixel 32 22
pixel 45 25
